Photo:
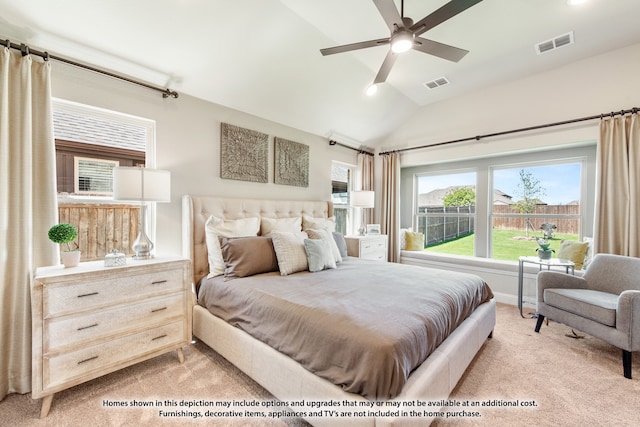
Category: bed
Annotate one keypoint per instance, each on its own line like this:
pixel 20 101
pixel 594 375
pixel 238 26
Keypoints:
pixel 290 380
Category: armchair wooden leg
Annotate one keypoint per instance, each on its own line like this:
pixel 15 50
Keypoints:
pixel 539 322
pixel 626 363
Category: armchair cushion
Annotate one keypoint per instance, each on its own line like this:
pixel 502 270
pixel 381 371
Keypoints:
pixel 594 305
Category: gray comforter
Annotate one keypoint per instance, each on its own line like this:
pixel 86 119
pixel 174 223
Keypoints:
pixel 364 326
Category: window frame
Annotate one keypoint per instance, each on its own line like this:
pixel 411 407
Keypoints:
pixel 582 160
pixel 584 151
pixel 416 196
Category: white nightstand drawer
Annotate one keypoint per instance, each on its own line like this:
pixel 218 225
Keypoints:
pixel 101 357
pixel 61 298
pixel 367 247
pixel 66 331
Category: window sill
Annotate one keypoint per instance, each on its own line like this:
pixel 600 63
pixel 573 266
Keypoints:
pixel 467 261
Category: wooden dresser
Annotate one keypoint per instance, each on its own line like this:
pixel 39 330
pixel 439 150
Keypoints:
pixel 370 246
pixel 91 320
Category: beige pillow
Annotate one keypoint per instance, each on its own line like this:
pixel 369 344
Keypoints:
pixel 331 242
pixel 246 256
pixel 290 251
pixel 311 223
pixel 217 227
pixel 415 241
pixel 290 225
pixel 573 251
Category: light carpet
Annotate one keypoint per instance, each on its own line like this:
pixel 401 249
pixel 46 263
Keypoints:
pixel 573 382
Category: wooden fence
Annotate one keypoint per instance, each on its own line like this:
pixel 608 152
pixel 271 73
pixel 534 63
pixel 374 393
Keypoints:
pixel 438 229
pixel 564 225
pixel 102 227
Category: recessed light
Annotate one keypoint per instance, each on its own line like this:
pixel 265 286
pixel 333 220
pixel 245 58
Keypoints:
pixel 575 2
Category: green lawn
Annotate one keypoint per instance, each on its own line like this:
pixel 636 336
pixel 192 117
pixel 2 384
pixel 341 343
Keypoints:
pixel 506 245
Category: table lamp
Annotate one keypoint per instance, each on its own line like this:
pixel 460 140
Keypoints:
pixel 362 200
pixel 141 185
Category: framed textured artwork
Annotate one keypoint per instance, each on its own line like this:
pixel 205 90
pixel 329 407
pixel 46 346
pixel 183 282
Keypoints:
pixel 291 163
pixel 244 154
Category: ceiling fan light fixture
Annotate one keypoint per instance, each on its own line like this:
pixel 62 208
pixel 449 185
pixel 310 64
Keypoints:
pixel 371 89
pixel 401 41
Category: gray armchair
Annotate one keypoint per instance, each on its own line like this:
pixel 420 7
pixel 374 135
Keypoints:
pixel 604 302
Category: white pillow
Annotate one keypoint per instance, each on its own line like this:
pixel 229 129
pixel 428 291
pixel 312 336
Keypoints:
pixel 309 222
pixel 290 251
pixel 217 227
pixel 403 238
pixel 331 242
pixel 290 225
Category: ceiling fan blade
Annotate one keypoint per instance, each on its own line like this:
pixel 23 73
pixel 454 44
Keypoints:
pixel 447 11
pixel 354 46
pixel 390 14
pixel 438 49
pixel 385 69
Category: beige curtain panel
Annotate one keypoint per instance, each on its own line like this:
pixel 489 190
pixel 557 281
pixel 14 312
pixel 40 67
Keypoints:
pixel 27 206
pixel 617 230
pixel 365 164
pixel 390 222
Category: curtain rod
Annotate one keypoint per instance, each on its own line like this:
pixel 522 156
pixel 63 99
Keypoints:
pixel 359 150
pixel 633 110
pixel 26 50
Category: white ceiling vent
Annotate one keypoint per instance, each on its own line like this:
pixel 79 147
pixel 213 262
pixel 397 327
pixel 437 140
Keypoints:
pixel 441 81
pixel 555 43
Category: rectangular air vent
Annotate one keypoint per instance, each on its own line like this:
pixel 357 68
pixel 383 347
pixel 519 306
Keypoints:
pixel 555 43
pixel 441 81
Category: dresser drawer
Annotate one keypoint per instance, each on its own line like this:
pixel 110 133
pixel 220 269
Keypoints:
pixel 102 357
pixel 373 248
pixel 63 298
pixel 60 332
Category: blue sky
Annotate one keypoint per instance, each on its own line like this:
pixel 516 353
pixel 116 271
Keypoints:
pixel 560 182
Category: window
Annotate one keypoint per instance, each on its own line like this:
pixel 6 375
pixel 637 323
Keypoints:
pixel 93 176
pixel 534 201
pixel 496 207
pixel 89 143
pixel 341 185
pixel 445 212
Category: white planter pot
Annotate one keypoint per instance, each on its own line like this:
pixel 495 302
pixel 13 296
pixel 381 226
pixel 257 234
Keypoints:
pixel 71 258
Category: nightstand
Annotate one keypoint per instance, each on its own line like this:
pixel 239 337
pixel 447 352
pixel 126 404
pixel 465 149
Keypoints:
pixel 90 320
pixel 370 246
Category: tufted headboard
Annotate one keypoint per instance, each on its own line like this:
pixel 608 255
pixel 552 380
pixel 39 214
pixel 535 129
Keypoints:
pixel 197 209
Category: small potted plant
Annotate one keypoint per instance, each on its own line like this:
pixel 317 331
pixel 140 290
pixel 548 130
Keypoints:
pixel 544 249
pixel 64 234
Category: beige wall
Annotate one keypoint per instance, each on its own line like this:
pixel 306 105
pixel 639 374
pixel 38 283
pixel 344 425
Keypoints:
pixel 188 144
pixel 599 84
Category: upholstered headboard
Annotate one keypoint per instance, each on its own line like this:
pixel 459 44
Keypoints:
pixel 197 209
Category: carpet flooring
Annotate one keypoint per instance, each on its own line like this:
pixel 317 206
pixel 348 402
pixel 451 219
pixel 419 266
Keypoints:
pixel 554 380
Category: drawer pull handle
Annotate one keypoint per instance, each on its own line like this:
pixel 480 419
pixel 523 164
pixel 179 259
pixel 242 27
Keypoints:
pixel 82 328
pixel 158 309
pixel 158 282
pixel 87 360
pixel 158 337
pixel 88 295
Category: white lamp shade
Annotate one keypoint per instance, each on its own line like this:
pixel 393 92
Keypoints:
pixel 362 199
pixel 141 184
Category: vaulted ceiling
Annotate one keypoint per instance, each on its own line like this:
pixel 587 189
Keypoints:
pixel 263 56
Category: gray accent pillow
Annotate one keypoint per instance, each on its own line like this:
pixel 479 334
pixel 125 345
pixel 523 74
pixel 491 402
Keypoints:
pixel 319 255
pixel 341 243
pixel 246 256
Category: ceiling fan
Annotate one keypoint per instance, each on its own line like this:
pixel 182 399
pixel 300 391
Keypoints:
pixel 405 34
